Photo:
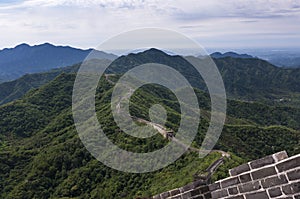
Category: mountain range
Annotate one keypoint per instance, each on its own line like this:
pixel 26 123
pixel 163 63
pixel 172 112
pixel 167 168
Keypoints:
pixel 229 54
pixel 41 155
pixel 248 79
pixel 24 59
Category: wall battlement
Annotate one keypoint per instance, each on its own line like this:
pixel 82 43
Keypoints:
pixel 274 176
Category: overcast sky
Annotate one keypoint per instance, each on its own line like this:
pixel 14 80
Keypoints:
pixel 213 23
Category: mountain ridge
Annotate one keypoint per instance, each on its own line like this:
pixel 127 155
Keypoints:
pixel 218 55
pixel 248 79
pixel 24 59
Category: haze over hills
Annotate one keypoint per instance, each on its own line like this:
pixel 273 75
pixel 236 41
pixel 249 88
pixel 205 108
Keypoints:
pixel 229 54
pixel 285 57
pixel 249 79
pixel 23 59
pixel 244 78
pixel 281 57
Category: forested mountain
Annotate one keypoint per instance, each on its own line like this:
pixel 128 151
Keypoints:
pixel 245 79
pixel 248 79
pixel 41 155
pixel 229 54
pixel 15 89
pixel 24 59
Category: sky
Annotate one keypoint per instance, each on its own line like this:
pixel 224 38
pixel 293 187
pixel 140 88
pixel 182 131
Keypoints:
pixel 219 24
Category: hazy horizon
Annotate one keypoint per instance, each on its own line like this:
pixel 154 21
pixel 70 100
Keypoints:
pixel 259 52
pixel 233 24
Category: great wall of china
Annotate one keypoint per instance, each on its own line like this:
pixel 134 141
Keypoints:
pixel 274 176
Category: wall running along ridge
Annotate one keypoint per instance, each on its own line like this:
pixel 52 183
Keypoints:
pixel 274 176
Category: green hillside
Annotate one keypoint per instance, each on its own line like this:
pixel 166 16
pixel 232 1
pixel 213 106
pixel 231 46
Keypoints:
pixel 42 156
pixel 15 89
pixel 250 79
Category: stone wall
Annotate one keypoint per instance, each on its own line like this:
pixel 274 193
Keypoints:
pixel 274 176
pixel 195 190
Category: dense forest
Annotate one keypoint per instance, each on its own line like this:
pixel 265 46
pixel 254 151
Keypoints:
pixel 41 155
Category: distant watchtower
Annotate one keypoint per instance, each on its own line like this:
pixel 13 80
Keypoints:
pixel 170 135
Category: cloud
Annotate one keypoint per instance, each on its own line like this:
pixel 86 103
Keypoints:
pixel 255 9
pixel 85 23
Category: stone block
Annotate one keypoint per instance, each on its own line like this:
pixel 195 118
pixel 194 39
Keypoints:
pixel 203 189
pixel 198 197
pixel 156 197
pixel 239 170
pixel 233 191
pixel 215 186
pixel 230 181
pixel 174 192
pixel 236 197
pixel 268 160
pixel 294 174
pixel 262 173
pixel 288 164
pixel 250 186
pixel 275 192
pixel 186 195
pixel 176 197
pixel 245 178
pixel 219 193
pixel 280 156
pixel 257 195
pixel 273 181
pixel 164 195
pixel 290 189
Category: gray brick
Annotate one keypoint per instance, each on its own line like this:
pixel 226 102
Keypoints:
pixel 164 195
pixel 215 186
pixel 236 197
pixel 262 173
pixel 207 196
pixel 245 178
pixel 156 197
pixel 203 189
pixel 233 191
pixel 275 192
pixel 268 160
pixel 181 190
pixel 250 186
pixel 273 181
pixel 257 195
pixel 294 175
pixel 239 170
pixel 219 193
pixel 198 197
pixel 289 164
pixel 187 187
pixel 176 197
pixel 230 181
pixel 291 188
pixel 195 192
pixel 280 156
pixel 199 183
pixel 174 192
pixel 186 195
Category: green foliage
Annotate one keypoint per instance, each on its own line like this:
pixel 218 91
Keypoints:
pixel 41 155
